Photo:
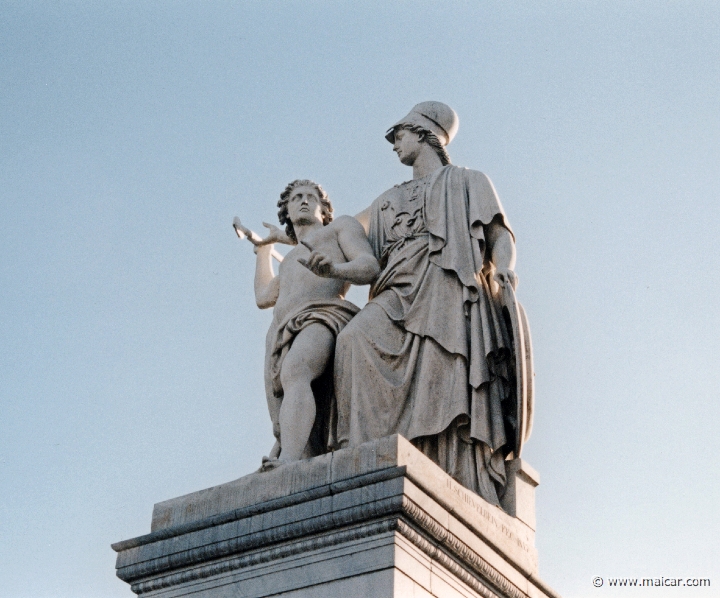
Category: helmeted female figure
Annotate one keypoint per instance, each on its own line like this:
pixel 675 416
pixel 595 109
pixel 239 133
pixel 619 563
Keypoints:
pixel 428 356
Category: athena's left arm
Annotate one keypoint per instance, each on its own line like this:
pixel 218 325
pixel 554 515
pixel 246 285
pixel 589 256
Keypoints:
pixel 501 246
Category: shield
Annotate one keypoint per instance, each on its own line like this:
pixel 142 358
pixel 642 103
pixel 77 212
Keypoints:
pixel 523 362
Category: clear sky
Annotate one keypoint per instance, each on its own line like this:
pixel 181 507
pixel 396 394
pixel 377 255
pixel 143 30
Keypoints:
pixel 131 349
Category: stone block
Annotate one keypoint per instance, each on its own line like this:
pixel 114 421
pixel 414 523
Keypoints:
pixel 519 497
pixel 376 520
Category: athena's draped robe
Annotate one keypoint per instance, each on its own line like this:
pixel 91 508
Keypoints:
pixel 427 356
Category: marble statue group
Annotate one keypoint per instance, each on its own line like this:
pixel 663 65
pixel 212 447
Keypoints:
pixel 440 353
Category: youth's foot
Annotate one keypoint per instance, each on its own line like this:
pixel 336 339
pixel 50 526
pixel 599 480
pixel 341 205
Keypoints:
pixel 270 463
pixel 274 451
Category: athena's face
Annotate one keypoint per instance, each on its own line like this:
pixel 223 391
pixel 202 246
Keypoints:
pixel 304 206
pixel 407 146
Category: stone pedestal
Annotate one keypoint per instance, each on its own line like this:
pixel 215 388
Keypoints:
pixel 379 520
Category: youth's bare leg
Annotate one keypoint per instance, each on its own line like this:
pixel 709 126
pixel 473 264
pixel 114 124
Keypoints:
pixel 273 402
pixel 311 351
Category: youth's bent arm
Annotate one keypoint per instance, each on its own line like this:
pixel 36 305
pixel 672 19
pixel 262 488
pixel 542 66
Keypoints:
pixel 361 266
pixel 267 285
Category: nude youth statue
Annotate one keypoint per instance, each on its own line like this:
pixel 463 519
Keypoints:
pixel 307 295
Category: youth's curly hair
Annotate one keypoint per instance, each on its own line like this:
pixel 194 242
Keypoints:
pixel 431 139
pixel 327 209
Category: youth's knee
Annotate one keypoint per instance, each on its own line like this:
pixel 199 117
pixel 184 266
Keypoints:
pixel 295 372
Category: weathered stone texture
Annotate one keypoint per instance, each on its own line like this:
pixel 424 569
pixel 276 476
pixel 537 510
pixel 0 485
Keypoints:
pixel 377 520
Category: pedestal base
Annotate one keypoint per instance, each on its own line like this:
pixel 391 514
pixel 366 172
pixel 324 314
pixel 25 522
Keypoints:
pixel 379 520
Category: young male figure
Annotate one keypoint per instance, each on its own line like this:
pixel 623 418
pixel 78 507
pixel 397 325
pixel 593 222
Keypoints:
pixel 309 310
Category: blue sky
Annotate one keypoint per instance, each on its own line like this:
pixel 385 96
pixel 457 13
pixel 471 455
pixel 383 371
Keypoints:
pixel 131 349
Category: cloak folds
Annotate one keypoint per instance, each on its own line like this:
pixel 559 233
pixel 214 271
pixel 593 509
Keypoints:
pixel 427 357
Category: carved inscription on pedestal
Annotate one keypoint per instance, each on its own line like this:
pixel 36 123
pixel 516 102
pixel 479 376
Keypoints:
pixel 485 511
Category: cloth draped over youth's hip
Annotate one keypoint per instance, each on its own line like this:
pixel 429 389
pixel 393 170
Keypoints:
pixel 334 314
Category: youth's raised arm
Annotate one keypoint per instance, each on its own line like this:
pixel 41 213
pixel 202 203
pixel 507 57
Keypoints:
pixel 267 285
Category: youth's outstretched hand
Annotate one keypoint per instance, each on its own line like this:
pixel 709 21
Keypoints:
pixel 274 236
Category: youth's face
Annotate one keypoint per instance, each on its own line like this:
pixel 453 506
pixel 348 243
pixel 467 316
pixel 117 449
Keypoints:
pixel 407 146
pixel 304 206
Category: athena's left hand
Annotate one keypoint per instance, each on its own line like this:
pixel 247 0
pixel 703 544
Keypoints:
pixel 504 276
